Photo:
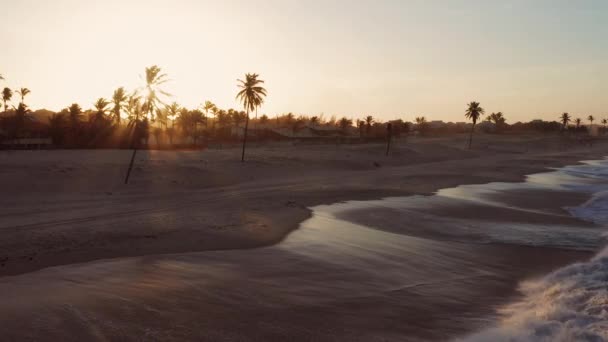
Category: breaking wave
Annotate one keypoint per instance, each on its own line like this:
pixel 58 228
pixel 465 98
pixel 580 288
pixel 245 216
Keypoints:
pixel 570 304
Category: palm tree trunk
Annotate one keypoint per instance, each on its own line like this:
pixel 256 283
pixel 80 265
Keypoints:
pixel 245 137
pixel 471 136
pixel 134 143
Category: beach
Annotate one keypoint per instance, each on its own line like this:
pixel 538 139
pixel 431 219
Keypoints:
pixel 199 246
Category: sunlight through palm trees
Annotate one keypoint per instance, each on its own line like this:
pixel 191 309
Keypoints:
pixel 154 79
pixel 119 98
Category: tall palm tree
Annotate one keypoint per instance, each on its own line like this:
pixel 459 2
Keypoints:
pixel 473 113
pixel 604 122
pixel 7 95
pixel 119 98
pixel 578 122
pixel 154 79
pixel 23 92
pixel 252 96
pixel 209 107
pixel 591 119
pixel 565 118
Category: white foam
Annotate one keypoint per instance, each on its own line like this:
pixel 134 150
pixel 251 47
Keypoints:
pixel 595 210
pixel 570 304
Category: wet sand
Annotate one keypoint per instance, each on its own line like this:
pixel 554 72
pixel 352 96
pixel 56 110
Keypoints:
pixel 188 262
pixel 63 207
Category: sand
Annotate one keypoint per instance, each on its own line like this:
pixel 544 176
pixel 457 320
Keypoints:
pixel 68 206
pixel 178 254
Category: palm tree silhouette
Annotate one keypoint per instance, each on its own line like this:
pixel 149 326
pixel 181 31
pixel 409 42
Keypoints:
pixel 252 96
pixel 369 120
pixel 264 119
pixel 101 108
pixel 74 111
pixel 473 113
pixel 154 79
pixel 565 119
pixel 591 119
pixel 7 95
pixel 345 123
pixel 578 122
pixel 422 123
pixel 209 107
pixel 119 98
pixel 23 92
pixel 21 112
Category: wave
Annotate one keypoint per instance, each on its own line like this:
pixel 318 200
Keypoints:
pixel 570 304
pixel 595 210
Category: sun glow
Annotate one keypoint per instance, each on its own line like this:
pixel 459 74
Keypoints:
pixel 313 58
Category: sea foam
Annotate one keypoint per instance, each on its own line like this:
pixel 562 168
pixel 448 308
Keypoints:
pixel 570 304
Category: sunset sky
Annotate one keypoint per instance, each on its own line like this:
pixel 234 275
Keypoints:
pixel 391 59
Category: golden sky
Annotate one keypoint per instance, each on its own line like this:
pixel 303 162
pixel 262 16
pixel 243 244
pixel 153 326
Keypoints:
pixel 390 59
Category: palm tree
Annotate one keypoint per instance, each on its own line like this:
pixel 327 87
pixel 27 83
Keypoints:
pixel 154 79
pixel 237 118
pixel 345 123
pixel 57 128
pixel 209 107
pixel 498 119
pixel 565 118
pixel 23 92
pixel 264 119
pixel 422 124
pixel 118 100
pixel 21 113
pixel 369 120
pixel 604 122
pixel 7 95
pixel 578 122
pixel 101 108
pixel 75 111
pixel 591 119
pixel 252 96
pixel 474 112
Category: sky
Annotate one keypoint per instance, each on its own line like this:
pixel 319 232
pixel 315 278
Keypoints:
pixel 391 59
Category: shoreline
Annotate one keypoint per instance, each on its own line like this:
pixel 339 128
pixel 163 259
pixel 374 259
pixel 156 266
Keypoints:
pixel 269 211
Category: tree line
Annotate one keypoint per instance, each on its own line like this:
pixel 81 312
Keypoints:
pixel 131 118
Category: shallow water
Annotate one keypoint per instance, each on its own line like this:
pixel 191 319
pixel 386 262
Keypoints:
pixel 414 268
